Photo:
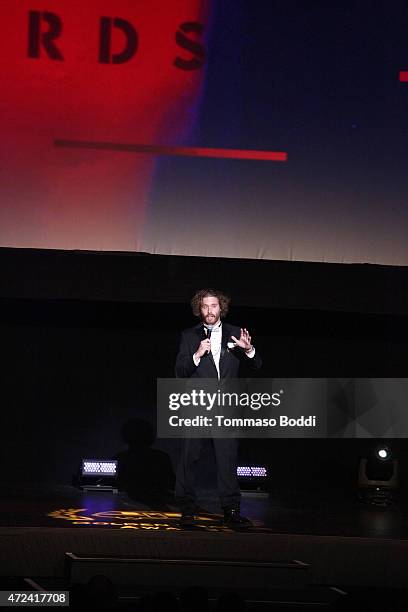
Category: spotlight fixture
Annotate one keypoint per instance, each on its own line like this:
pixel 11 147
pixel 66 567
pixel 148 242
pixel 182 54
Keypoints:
pixel 99 475
pixel 378 477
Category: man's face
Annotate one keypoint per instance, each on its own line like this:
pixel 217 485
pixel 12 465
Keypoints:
pixel 210 310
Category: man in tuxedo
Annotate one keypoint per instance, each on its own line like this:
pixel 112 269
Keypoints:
pixel 212 349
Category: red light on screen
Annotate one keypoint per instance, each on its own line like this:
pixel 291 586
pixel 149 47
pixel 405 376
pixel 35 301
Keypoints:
pixel 280 156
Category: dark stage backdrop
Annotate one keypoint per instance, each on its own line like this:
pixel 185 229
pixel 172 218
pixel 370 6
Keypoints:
pixel 84 337
pixel 137 126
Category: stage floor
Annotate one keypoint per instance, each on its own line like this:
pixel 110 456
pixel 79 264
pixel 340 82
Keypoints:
pixel 343 542
pixel 324 513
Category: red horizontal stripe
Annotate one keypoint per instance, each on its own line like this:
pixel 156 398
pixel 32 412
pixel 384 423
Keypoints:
pixel 403 75
pixel 175 150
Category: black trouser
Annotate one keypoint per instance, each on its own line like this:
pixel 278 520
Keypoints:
pixel 226 458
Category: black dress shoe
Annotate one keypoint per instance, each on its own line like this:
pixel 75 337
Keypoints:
pixel 187 519
pixel 235 519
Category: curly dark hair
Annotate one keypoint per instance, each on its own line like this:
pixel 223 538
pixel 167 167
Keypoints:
pixel 223 299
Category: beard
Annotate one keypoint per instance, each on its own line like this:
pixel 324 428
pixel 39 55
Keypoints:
pixel 210 319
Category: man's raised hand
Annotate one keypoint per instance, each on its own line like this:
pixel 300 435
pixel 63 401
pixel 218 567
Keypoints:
pixel 244 340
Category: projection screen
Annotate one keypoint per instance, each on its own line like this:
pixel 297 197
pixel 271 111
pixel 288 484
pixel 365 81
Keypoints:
pixel 232 128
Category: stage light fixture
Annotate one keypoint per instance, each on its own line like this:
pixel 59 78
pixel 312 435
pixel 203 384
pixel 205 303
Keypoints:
pixel 252 479
pixel 99 475
pixel 246 471
pixel 378 477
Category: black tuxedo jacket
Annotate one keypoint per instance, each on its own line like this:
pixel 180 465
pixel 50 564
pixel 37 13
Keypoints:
pixel 230 359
